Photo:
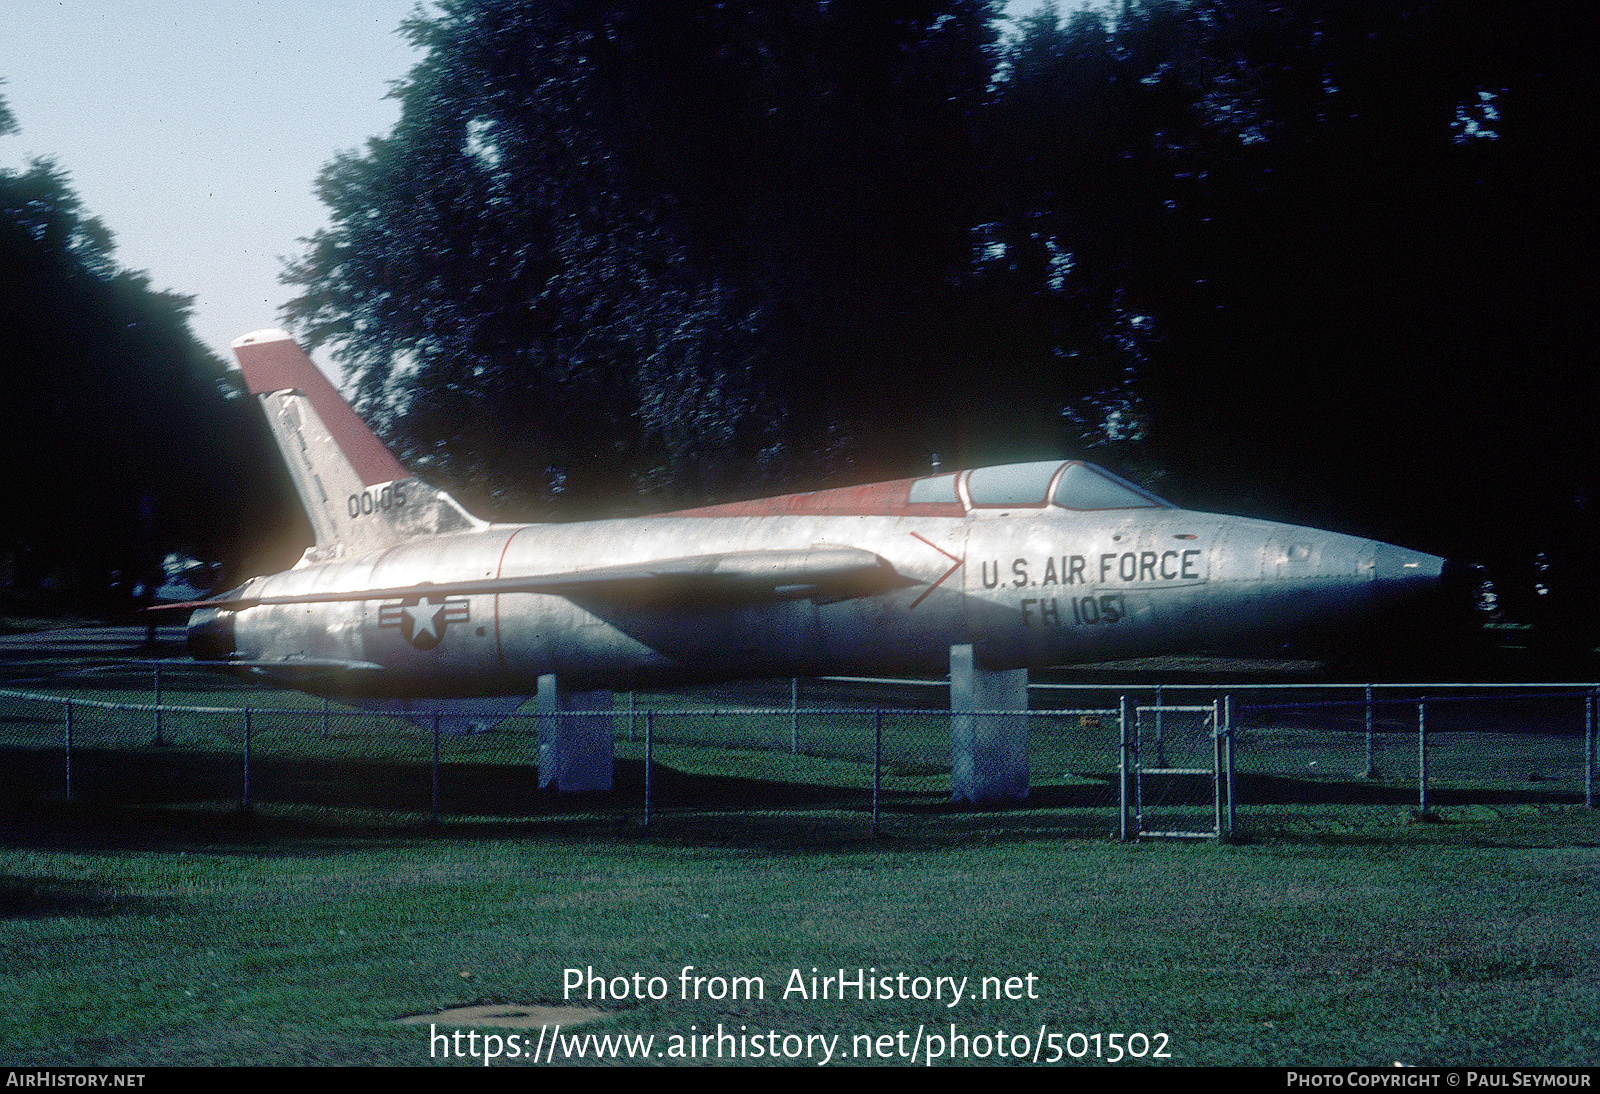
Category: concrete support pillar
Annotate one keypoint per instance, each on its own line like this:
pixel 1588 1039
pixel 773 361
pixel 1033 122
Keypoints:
pixel 575 753
pixel 988 752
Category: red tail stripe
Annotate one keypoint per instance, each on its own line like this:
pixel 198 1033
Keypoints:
pixel 276 365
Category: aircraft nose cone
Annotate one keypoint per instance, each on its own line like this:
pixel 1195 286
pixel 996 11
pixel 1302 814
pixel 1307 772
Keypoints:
pixel 1310 574
pixel 1398 572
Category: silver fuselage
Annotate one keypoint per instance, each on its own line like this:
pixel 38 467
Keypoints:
pixel 1030 588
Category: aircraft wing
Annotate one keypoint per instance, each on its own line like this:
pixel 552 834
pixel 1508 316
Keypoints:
pixel 307 667
pixel 824 573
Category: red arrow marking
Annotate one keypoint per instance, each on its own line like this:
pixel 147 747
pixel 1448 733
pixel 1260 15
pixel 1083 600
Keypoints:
pixel 947 573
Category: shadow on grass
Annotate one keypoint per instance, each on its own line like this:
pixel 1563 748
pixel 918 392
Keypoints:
pixel 182 797
pixel 178 797
pixel 45 898
pixel 178 776
pixel 1278 790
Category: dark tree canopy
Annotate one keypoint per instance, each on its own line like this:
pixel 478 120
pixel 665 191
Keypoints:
pixel 1355 237
pixel 699 248
pixel 120 445
pixel 8 120
pixel 1321 213
pixel 1320 260
pixel 1339 249
pixel 677 247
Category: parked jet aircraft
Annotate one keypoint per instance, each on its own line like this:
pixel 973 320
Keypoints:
pixel 405 594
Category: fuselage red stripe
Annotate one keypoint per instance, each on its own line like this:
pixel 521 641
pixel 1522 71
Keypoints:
pixel 947 573
pixel 499 570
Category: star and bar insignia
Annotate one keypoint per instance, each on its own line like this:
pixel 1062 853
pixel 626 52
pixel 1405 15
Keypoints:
pixel 422 620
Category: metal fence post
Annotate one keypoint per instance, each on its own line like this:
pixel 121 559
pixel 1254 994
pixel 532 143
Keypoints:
pixel 1227 708
pixel 246 803
pixel 435 810
pixel 1216 762
pixel 1124 758
pixel 1588 751
pixel 877 764
pixel 1161 743
pixel 1372 770
pixel 158 739
pixel 69 749
pixel 1422 754
pixel 649 757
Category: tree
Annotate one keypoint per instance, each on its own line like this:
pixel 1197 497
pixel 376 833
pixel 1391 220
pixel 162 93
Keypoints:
pixel 120 446
pixel 1316 224
pixel 668 246
pixel 1346 242
pixel 1282 253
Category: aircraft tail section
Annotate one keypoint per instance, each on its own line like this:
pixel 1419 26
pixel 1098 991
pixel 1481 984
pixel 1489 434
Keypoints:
pixel 358 496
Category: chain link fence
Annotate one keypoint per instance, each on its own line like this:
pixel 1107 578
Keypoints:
pixel 1419 746
pixel 1203 760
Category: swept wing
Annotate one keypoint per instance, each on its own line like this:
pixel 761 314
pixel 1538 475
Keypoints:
pixel 829 573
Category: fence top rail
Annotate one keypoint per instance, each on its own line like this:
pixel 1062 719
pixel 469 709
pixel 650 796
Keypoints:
pixel 1413 700
pixel 885 680
pixel 1215 687
pixel 108 704
pixel 1570 685
pixel 621 712
pixel 1421 693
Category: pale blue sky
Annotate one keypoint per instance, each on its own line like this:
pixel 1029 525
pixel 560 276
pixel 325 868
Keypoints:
pixel 195 130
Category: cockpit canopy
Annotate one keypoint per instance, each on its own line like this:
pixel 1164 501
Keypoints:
pixel 1071 485
pixel 1059 484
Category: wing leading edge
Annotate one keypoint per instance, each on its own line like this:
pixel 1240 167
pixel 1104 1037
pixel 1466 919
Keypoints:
pixel 823 573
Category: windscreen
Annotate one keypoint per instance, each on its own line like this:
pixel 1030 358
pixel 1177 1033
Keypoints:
pixel 939 489
pixel 1012 483
pixel 1085 486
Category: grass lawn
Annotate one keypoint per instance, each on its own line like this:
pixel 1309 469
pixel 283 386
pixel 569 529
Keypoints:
pixel 153 922
pixel 297 934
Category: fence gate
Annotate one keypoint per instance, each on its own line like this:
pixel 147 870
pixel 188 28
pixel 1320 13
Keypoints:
pixel 1176 772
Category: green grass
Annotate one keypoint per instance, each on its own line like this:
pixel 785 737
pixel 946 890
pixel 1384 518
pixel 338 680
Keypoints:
pixel 154 922
pixel 144 935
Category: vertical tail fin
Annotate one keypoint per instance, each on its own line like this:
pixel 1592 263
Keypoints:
pixel 358 496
